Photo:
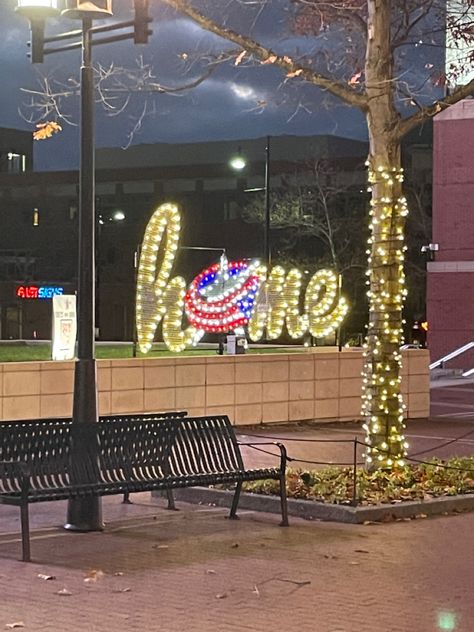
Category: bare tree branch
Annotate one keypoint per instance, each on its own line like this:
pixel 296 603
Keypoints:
pixel 428 112
pixel 268 56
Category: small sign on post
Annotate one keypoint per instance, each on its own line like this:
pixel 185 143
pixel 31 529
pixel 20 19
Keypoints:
pixel 64 327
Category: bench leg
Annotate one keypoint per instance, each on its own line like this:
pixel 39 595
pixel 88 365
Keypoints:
pixel 235 502
pixel 284 503
pixel 25 533
pixel 126 499
pixel 170 497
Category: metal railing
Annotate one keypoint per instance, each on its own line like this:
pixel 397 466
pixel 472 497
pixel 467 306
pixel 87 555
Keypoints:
pixel 450 356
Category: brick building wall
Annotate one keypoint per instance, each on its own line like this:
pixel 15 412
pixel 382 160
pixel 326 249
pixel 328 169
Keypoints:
pixel 450 284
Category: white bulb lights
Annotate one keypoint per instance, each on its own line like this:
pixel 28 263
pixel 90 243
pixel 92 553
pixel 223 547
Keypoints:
pixel 278 299
pixel 227 295
pixel 383 406
pixel 156 298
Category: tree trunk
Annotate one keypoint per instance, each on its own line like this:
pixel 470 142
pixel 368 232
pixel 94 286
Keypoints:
pixel 382 400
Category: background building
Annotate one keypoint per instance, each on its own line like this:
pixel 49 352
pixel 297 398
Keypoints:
pixel 16 151
pixel 450 298
pixel 38 245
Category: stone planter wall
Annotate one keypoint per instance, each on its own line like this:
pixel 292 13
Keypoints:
pixel 323 385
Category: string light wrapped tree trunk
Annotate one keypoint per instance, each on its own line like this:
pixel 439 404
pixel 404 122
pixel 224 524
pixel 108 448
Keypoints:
pixel 383 407
pixel 380 21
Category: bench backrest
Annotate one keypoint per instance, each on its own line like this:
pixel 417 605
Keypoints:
pixel 168 447
pixel 59 452
pixel 205 444
pixel 45 446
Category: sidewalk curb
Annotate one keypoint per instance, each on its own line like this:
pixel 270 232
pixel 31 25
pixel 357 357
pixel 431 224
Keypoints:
pixel 312 510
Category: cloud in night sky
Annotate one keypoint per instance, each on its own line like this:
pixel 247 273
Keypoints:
pixel 235 102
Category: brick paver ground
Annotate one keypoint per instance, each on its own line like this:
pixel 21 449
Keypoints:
pixel 195 571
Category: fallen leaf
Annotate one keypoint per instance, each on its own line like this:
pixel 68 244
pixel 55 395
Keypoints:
pixel 15 624
pixel 122 590
pixel 256 591
pixel 210 572
pixel 269 60
pixel 221 595
pixel 118 574
pixel 93 576
pixel 234 546
pixel 160 546
pixel 354 563
pixel 46 577
pixel 64 592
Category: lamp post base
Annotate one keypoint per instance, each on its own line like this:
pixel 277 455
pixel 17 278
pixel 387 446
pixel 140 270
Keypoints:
pixel 84 514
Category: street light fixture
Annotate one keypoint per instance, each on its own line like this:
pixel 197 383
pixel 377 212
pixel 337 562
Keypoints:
pixel 238 163
pixel 39 9
pixel 118 216
pixel 84 514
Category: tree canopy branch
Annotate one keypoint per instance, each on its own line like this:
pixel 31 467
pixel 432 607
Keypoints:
pixel 428 112
pixel 264 54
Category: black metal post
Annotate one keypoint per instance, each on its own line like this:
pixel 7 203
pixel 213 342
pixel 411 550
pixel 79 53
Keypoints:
pixel 37 41
pixel 266 233
pixel 136 264
pixel 85 514
pixel 339 329
pixel 98 262
pixel 355 495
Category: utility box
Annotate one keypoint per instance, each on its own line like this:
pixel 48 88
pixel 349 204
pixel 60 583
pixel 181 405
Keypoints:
pixel 236 344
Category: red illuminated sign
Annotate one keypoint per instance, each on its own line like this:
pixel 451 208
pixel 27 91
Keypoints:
pixel 41 292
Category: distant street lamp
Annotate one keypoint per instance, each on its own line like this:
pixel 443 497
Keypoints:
pixel 116 217
pixel 84 514
pixel 238 163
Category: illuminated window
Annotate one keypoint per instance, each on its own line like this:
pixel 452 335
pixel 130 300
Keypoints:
pixel 16 162
pixel 36 217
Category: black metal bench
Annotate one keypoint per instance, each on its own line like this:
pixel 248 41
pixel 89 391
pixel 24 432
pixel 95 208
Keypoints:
pixel 55 459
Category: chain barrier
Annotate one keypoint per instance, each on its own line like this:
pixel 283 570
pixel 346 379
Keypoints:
pixel 355 462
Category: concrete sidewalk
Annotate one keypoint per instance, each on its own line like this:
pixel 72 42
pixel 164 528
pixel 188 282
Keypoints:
pixel 193 570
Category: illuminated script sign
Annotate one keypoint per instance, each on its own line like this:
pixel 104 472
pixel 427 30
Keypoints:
pixel 226 296
pixel 35 291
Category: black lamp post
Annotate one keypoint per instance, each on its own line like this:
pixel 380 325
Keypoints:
pixel 238 163
pixel 84 514
pixel 266 238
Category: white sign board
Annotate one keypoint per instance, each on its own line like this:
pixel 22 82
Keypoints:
pixel 64 327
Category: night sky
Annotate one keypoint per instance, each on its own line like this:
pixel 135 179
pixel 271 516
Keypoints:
pixel 235 102
pixel 228 105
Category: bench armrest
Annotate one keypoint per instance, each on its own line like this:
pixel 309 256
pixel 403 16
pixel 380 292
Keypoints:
pixel 280 446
